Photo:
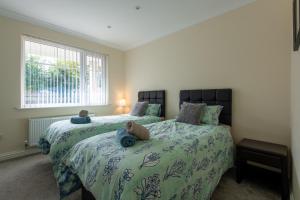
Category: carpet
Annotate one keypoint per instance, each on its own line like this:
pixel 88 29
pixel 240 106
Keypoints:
pixel 31 178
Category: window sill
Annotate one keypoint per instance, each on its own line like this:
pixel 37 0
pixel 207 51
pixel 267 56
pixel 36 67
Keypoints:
pixel 71 106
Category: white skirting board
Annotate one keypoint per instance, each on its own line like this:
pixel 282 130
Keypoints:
pixel 17 154
pixel 292 196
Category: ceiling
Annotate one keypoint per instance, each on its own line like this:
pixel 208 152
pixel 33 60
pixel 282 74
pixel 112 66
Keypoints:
pixel 129 27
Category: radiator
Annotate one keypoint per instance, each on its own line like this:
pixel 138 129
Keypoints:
pixel 39 125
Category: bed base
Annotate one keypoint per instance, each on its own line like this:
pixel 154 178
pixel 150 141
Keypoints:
pixel 86 195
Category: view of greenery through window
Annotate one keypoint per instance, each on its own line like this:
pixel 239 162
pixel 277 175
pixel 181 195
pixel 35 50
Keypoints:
pixel 58 75
pixel 63 83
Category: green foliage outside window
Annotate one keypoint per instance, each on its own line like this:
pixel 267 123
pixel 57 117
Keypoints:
pixel 63 74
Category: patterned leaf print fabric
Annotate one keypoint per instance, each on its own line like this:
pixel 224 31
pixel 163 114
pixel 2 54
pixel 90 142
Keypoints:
pixel 180 161
pixel 61 136
pixel 153 110
pixel 211 114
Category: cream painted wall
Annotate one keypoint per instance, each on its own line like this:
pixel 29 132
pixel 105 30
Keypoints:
pixel 295 123
pixel 247 50
pixel 13 122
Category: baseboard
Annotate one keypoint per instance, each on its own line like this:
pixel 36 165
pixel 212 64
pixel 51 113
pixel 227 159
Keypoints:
pixel 18 154
pixel 292 196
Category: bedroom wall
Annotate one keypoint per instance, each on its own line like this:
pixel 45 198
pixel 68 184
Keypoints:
pixel 247 50
pixel 295 136
pixel 14 122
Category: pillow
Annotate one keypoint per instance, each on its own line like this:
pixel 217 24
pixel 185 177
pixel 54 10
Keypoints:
pixel 211 114
pixel 139 109
pixel 202 109
pixel 153 110
pixel 189 113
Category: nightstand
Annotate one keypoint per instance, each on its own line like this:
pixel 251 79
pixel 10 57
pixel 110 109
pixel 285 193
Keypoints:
pixel 268 154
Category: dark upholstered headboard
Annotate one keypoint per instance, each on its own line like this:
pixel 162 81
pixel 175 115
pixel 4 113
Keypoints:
pixel 211 97
pixel 155 97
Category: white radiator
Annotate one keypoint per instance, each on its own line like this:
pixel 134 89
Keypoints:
pixel 39 125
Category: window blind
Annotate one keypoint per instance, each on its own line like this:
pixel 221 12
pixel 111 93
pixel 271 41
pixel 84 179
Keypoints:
pixel 58 75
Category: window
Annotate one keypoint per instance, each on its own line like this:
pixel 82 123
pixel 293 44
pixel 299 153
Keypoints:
pixel 56 75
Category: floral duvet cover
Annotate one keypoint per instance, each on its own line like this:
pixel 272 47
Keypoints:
pixel 61 136
pixel 180 161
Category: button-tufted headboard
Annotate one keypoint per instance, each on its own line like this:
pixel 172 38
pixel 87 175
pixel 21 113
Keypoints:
pixel 211 97
pixel 155 97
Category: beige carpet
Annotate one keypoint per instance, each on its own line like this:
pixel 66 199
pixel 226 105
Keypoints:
pixel 31 178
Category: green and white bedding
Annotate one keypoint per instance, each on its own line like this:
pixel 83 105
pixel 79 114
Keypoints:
pixel 180 161
pixel 63 135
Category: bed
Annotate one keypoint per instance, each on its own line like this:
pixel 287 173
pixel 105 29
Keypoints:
pixel 62 135
pixel 180 161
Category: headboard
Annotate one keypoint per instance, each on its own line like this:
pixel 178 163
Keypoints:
pixel 155 97
pixel 211 97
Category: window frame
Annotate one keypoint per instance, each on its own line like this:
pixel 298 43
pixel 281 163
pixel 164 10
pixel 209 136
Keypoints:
pixel 83 54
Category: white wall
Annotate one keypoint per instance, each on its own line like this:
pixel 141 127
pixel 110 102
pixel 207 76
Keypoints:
pixel 247 50
pixel 295 122
pixel 13 122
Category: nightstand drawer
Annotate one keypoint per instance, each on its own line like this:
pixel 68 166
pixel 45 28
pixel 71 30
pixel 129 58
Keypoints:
pixel 259 157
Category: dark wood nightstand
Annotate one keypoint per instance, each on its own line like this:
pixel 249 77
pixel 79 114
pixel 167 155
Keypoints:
pixel 273 155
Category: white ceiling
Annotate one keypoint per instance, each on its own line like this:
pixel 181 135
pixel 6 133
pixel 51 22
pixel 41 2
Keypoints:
pixel 130 27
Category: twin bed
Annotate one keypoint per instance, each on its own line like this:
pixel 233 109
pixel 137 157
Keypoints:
pixel 180 161
pixel 63 135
